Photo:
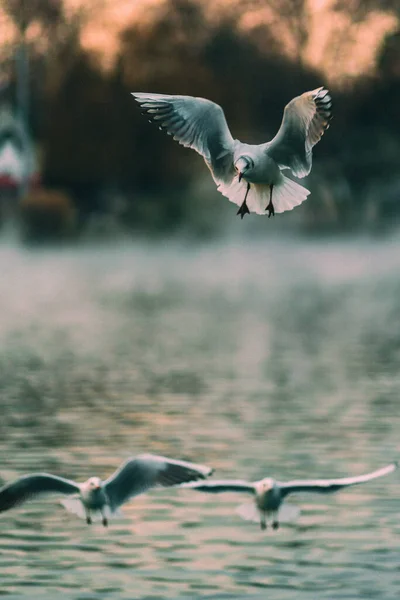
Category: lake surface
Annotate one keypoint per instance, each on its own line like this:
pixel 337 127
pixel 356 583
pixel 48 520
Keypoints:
pixel 268 359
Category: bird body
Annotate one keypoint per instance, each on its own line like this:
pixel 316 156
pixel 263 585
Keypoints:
pixel 93 498
pixel 93 494
pixel 248 175
pixel 255 164
pixel 135 476
pixel 269 494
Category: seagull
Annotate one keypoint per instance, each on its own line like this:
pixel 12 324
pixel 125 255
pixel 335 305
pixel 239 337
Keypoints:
pixel 270 494
pixel 248 175
pixel 135 476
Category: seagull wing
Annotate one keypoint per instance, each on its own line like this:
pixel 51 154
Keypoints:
pixel 30 486
pixel 137 475
pixel 227 485
pixel 305 119
pixel 195 123
pixel 326 486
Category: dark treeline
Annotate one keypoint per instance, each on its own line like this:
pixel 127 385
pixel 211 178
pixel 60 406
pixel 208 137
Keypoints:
pixel 97 146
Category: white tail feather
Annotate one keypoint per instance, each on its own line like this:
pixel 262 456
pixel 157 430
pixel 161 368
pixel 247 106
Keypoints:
pixel 286 514
pixel 285 195
pixel 288 194
pixel 249 512
pixel 73 504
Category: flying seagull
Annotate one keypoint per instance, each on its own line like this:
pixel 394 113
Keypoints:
pixel 135 476
pixel 269 494
pixel 249 175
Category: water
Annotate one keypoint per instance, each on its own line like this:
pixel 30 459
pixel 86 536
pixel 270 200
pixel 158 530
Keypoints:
pixel 274 359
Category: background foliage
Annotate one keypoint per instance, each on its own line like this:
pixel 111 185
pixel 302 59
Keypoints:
pixel 251 57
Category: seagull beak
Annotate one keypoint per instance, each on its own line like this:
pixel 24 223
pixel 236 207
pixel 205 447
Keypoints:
pixel 240 175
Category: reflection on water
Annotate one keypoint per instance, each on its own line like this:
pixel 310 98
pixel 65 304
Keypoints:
pixel 274 359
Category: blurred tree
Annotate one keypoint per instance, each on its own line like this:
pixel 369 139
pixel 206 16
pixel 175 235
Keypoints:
pixel 252 61
pixel 359 9
pixel 164 55
pixel 50 34
pixel 389 59
pixel 285 24
pixel 25 13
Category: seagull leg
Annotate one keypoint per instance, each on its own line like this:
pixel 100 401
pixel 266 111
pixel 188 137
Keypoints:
pixel 270 208
pixel 263 523
pixel 244 209
pixel 275 521
pixel 104 519
pixel 88 518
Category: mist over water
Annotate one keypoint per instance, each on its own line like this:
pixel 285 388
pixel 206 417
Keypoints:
pixel 275 359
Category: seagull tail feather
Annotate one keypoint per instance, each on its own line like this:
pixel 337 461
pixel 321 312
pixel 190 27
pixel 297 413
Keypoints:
pixel 249 512
pixel 287 194
pixel 73 504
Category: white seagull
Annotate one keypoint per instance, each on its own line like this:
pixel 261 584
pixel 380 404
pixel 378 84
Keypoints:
pixel 270 494
pixel 249 175
pixel 135 476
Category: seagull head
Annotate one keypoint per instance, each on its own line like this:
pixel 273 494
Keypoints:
pixel 243 164
pixel 264 485
pixel 92 493
pixel 94 484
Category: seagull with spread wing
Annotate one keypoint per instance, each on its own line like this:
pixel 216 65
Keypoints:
pixel 270 494
pixel 96 497
pixel 248 175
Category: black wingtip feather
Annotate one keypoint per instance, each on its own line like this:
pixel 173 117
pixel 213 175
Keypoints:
pixel 324 104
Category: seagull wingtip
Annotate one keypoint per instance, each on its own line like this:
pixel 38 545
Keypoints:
pixel 136 95
pixel 204 471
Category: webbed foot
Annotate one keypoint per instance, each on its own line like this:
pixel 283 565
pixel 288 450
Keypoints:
pixel 243 210
pixel 271 210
